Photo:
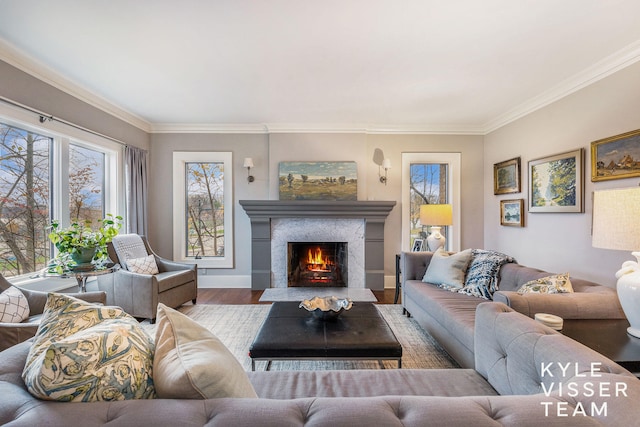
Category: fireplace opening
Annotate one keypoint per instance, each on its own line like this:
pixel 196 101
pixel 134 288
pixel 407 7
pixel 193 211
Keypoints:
pixel 319 264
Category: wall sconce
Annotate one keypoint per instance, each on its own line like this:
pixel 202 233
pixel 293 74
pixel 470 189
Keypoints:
pixel 248 163
pixel 386 165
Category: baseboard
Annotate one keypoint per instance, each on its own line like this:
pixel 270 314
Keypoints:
pixel 211 281
pixel 390 282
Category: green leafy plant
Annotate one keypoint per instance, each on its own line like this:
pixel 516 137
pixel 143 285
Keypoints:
pixel 80 235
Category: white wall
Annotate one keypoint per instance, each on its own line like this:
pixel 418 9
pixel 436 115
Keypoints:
pixel 562 242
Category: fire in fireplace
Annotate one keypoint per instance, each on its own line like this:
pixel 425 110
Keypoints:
pixel 320 264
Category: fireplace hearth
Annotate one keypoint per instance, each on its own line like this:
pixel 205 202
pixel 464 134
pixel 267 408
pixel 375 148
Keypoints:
pixel 317 264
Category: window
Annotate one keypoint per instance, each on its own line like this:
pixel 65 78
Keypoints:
pixel 86 183
pixel 429 178
pixel 203 209
pixel 24 200
pixel 46 176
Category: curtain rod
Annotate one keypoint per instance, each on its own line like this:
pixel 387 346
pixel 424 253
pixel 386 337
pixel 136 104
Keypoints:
pixel 48 117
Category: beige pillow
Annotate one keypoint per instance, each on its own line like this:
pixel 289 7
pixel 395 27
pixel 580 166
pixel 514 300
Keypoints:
pixel 556 284
pixel 448 271
pixel 192 363
pixel 14 307
pixel 144 265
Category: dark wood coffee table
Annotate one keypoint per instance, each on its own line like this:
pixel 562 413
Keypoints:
pixel 292 333
pixel 608 337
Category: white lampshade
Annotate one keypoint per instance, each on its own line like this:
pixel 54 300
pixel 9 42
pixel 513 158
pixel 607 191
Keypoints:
pixel 616 219
pixel 436 214
pixel 386 164
pixel 616 225
pixel 248 162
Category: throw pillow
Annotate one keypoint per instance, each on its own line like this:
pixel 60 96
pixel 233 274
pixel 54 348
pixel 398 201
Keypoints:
pixel 144 265
pixel 192 363
pixel 448 271
pixel 87 353
pixel 556 284
pixel 483 274
pixel 14 307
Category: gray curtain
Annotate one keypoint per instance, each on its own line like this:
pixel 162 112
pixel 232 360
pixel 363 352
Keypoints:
pixel 136 166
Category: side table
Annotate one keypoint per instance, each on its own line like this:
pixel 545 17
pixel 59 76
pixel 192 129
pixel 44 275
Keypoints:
pixel 608 337
pixel 398 283
pixel 81 275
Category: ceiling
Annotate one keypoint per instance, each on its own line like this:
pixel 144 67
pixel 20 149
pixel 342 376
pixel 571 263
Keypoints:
pixel 462 66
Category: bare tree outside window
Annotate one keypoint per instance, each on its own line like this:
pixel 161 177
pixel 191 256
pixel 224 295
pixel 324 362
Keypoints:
pixel 428 186
pixel 205 209
pixel 86 184
pixel 24 200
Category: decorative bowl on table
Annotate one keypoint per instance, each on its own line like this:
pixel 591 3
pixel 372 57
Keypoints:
pixel 326 308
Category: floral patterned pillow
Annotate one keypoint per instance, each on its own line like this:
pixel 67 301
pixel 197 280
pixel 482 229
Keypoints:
pixel 556 284
pixel 87 353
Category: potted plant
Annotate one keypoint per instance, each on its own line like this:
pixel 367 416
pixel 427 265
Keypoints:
pixel 79 244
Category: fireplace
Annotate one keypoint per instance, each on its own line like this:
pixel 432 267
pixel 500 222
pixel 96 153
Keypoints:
pixel 274 223
pixel 317 264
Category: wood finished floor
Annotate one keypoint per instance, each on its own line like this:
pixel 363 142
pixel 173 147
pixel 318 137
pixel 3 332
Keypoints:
pixel 247 296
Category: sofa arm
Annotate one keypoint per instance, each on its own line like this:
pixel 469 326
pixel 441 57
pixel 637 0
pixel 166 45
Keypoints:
pixel 575 305
pixel 97 297
pixel 168 265
pixel 414 265
pixel 38 299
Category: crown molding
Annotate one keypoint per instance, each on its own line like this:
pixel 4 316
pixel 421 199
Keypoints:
pixel 207 128
pixel 271 128
pixel 13 56
pixel 609 65
pixel 604 68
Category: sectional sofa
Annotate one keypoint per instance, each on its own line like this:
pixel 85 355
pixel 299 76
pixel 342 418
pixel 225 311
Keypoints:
pixel 450 316
pixel 526 375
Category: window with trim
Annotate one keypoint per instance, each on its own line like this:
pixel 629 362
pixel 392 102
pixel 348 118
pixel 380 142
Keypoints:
pixel 44 177
pixel 203 208
pixel 429 178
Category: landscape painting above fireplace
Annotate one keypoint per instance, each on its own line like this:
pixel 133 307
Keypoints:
pixel 318 181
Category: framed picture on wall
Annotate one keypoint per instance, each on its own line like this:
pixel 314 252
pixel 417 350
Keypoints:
pixel 512 213
pixel 318 181
pixel 616 157
pixel 556 183
pixel 506 177
pixel 418 245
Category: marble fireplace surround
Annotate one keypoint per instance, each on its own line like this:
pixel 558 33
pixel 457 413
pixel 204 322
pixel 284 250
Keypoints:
pixel 360 223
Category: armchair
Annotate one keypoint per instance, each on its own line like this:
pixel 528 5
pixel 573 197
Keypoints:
pixel 14 333
pixel 139 293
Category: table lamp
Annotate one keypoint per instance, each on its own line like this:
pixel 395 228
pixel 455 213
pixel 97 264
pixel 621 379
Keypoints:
pixel 616 225
pixel 436 216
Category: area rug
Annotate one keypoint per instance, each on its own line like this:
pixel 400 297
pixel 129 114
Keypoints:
pixel 237 325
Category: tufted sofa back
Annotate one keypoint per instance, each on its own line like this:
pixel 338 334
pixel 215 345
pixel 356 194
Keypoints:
pixel 504 340
pixel 518 355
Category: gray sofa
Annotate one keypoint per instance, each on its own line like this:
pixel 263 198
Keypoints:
pixel 517 359
pixel 14 333
pixel 450 317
